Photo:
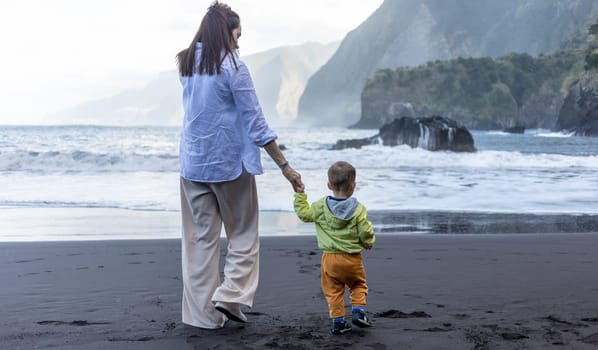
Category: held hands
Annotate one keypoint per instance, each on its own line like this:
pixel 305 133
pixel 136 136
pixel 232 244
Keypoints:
pixel 288 172
pixel 294 178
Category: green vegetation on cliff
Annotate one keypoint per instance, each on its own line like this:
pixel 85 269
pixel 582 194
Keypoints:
pixel 579 112
pixel 592 48
pixel 479 92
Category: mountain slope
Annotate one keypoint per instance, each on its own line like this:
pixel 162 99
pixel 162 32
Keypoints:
pixel 279 75
pixel 413 32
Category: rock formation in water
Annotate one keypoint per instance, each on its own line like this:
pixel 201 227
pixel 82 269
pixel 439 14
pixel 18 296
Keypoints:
pixel 432 133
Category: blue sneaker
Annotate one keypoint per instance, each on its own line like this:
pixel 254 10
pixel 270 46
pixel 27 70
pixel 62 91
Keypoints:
pixel 360 319
pixel 340 326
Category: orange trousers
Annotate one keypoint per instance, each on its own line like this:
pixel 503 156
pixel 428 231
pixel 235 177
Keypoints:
pixel 340 270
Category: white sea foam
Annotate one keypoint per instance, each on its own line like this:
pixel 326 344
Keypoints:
pixel 375 156
pixel 500 133
pixel 85 161
pixel 137 168
pixel 556 134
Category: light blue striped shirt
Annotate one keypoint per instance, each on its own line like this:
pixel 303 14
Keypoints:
pixel 224 126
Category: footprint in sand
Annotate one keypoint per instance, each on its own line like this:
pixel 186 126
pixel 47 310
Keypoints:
pixel 440 306
pixel 399 314
pixel 461 316
pixel 140 339
pixel 446 327
pixel 591 339
pixel 27 260
pixel 77 323
pixel 555 320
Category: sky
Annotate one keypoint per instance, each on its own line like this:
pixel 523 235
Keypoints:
pixel 57 54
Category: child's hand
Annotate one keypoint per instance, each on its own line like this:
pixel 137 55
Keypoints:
pixel 367 246
pixel 300 188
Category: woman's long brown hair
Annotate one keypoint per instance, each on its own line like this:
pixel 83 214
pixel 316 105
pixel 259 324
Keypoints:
pixel 215 35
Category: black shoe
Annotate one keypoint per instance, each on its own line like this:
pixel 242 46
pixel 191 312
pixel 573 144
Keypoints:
pixel 232 311
pixel 340 327
pixel 360 319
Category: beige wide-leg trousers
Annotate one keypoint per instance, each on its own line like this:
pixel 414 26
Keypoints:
pixel 205 207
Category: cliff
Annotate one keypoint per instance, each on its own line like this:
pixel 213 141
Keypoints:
pixel 412 32
pixel 480 93
pixel 279 75
pixel 579 113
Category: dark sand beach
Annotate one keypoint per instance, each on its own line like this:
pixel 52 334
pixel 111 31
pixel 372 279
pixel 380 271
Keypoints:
pixel 427 291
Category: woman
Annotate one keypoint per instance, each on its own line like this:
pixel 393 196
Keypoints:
pixel 222 133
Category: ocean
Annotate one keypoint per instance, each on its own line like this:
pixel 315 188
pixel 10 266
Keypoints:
pixel 136 169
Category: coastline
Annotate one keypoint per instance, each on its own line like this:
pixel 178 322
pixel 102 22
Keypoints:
pixel 467 291
pixel 35 224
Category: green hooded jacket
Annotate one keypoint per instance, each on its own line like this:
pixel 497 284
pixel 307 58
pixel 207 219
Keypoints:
pixel 345 234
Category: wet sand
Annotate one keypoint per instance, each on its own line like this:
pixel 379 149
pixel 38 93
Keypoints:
pixel 82 224
pixel 467 291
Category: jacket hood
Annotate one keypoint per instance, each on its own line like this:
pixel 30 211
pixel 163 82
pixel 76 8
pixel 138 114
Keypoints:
pixel 341 210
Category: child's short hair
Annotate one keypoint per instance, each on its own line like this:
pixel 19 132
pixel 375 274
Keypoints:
pixel 341 175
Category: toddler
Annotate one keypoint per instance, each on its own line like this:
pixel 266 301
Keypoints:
pixel 343 231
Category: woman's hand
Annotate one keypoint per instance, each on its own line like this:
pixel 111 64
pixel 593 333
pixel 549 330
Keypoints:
pixel 288 172
pixel 294 178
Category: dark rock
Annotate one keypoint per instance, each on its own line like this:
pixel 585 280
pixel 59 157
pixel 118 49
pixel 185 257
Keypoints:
pixel 579 113
pixel 431 133
pixel 517 129
pixel 355 143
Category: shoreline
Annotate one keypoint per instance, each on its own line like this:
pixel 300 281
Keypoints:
pixel 27 224
pixel 452 291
